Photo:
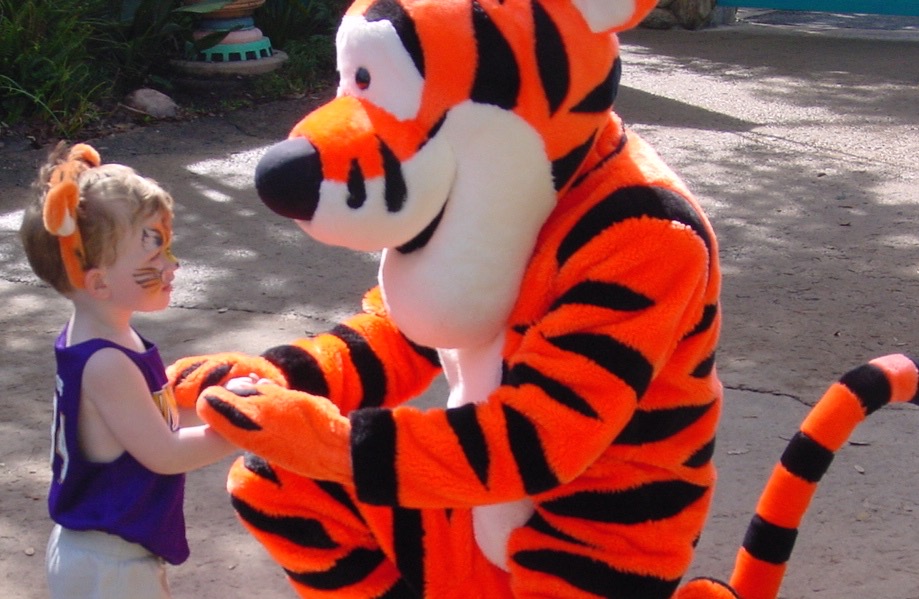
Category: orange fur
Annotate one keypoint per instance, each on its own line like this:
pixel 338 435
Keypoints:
pixel 60 208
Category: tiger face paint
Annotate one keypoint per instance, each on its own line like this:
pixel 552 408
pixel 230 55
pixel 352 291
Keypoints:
pixel 155 241
pixel 141 277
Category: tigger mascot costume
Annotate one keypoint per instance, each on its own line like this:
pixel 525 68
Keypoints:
pixel 565 282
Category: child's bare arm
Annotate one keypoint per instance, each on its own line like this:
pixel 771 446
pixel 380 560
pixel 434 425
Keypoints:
pixel 118 391
pixel 189 417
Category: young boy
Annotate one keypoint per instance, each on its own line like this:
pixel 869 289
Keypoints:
pixel 100 235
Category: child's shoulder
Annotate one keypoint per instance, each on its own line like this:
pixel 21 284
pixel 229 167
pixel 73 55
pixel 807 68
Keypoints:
pixel 115 362
pixel 86 337
pixel 110 363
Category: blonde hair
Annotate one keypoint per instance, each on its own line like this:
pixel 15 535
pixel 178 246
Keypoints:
pixel 113 200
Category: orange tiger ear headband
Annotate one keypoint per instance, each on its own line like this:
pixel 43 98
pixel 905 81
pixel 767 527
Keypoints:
pixel 60 208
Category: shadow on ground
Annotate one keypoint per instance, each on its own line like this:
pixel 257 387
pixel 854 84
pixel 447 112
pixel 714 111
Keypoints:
pixel 804 150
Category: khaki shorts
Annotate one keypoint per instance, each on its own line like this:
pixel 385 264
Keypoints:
pixel 96 565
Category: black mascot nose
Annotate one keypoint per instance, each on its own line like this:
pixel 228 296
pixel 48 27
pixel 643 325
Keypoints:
pixel 287 178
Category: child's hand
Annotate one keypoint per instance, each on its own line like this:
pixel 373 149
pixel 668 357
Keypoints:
pixel 244 385
pixel 190 376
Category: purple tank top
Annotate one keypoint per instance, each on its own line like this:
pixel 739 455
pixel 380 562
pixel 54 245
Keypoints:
pixel 121 497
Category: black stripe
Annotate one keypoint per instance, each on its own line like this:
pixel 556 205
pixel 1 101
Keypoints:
pixel 915 399
pixel 604 295
pixel 705 323
pixel 704 368
pixel 594 576
pixel 658 425
pixel 408 544
pixel 768 542
pixel 598 165
pixel 619 359
pixel 523 374
pixel 304 532
pixel 551 58
pixel 260 467
pixel 373 454
pixel 214 377
pixel 541 525
pixel 702 456
pixel 392 11
pixel 230 413
pixel 428 353
pixel 650 502
pixel 338 493
pixel 469 433
pixel 497 75
pixel 870 385
pixel 300 367
pixel 399 590
pixel 349 570
pixel 357 191
pixel 565 167
pixel 806 458
pixel 421 239
pixel 528 452
pixel 601 98
pixel 396 191
pixel 435 129
pixel 368 364
pixel 263 469
pixel 628 203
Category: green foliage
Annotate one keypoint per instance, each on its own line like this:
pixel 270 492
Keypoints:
pixel 305 30
pixel 309 64
pixel 46 64
pixel 62 62
pixel 139 37
pixel 132 37
pixel 298 20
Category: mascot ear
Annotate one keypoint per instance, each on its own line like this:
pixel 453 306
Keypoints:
pixel 614 15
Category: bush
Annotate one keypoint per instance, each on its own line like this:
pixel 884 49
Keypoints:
pixel 136 38
pixel 63 60
pixel 45 63
pixel 299 21
pixel 63 63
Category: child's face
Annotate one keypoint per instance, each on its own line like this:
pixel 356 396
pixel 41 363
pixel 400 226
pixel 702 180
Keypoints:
pixel 141 277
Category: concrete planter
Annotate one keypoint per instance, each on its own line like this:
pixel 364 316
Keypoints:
pixel 233 10
pixel 688 14
pixel 243 51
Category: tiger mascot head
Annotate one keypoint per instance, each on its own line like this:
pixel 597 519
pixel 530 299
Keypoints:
pixel 457 126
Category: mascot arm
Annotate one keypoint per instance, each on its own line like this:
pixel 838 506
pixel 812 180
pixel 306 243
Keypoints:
pixel 567 392
pixel 365 361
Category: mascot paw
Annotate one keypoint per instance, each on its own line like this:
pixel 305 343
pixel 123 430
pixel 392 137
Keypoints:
pixel 303 433
pixel 188 377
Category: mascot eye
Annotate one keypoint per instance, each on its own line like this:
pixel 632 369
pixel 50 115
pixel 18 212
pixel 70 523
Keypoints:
pixel 362 78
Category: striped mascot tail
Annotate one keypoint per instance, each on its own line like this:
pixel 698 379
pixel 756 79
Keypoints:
pixel 770 538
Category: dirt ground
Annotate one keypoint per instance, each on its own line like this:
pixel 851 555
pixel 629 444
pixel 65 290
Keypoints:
pixel 802 144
